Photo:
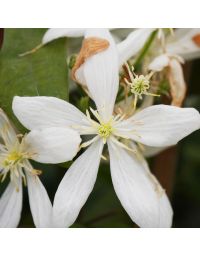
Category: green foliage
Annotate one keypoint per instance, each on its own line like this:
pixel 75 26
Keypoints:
pixel 42 73
pixel 83 104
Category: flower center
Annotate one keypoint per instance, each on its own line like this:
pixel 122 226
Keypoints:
pixel 140 85
pixel 12 159
pixel 105 130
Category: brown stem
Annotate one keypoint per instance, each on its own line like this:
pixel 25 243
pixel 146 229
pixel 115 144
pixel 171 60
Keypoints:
pixel 164 168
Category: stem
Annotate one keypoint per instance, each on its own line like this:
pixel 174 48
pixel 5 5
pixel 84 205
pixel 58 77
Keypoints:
pixel 145 49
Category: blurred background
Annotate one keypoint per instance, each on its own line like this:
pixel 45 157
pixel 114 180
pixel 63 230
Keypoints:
pixel 45 73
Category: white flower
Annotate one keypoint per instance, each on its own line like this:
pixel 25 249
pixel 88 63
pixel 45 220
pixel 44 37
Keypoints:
pixel 185 42
pixel 138 191
pixel 174 74
pixel 51 145
pixel 183 45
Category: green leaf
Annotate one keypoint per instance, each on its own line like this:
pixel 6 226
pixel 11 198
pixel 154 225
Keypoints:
pixel 43 73
pixel 145 50
pixel 83 104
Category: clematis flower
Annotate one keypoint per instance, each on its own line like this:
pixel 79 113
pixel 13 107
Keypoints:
pixel 182 46
pixel 52 145
pixel 159 126
pixel 185 43
pixel 174 74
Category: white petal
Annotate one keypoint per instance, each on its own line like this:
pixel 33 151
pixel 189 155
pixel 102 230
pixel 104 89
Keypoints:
pixel 160 125
pixel 101 74
pixel 41 207
pixel 7 133
pixel 55 33
pixel 152 151
pixel 177 82
pixel 184 45
pixel 159 63
pixel 53 145
pixel 80 77
pixel 11 206
pixel 146 151
pixel 133 44
pixel 45 112
pixel 76 186
pixel 137 190
pixel 166 212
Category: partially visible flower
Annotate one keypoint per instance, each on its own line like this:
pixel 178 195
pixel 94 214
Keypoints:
pixel 138 191
pixel 174 73
pixel 184 42
pixel 51 145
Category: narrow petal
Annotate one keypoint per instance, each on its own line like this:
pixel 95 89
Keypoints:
pixel 177 82
pixel 45 112
pixel 184 43
pixel 76 186
pixel 53 145
pixel 11 205
pixel 7 133
pixel 133 44
pixel 101 74
pixel 41 207
pixel 159 63
pixel 152 151
pixel 146 151
pixel 160 125
pixel 138 190
pixel 55 33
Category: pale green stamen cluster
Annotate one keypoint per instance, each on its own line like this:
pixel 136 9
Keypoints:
pixel 105 130
pixel 14 159
pixel 139 84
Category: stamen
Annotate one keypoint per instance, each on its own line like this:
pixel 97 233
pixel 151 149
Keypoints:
pixel 139 84
pixel 105 130
pixel 88 143
pixel 122 145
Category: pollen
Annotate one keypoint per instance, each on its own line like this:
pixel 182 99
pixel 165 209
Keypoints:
pixel 12 158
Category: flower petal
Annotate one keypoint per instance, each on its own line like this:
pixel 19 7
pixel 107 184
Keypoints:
pixel 76 186
pixel 45 112
pixel 177 82
pixel 184 43
pixel 41 207
pixel 160 125
pixel 11 206
pixel 133 44
pixel 152 151
pixel 53 145
pixel 101 74
pixel 55 33
pixel 159 63
pixel 138 190
pixel 7 133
